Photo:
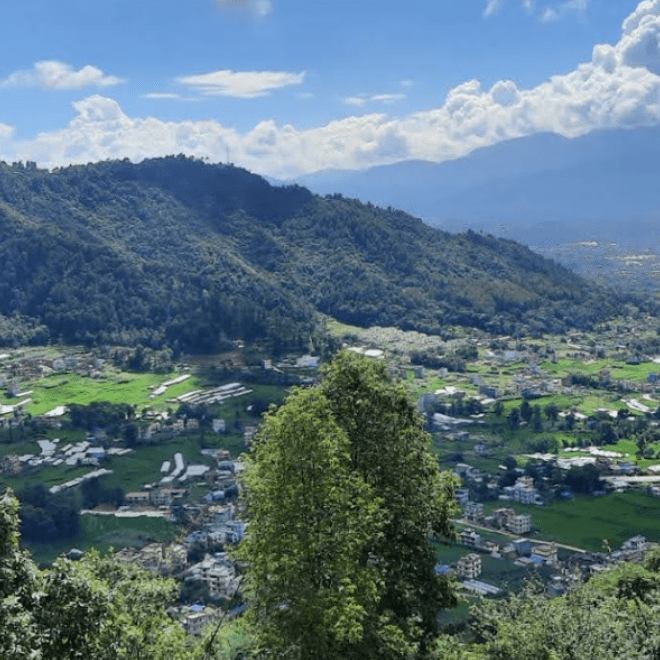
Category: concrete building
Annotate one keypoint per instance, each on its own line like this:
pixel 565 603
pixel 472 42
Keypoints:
pixel 469 566
pixel 520 523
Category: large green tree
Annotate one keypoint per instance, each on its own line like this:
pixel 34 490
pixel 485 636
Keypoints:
pixel 343 494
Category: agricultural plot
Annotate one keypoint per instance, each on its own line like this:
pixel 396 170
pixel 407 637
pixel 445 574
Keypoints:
pixel 588 522
pixel 130 388
pixel 105 532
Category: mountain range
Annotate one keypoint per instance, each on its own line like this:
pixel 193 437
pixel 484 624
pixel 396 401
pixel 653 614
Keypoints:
pixel 541 189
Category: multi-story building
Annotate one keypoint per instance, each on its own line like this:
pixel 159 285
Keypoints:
pixel 520 523
pixel 547 552
pixel 469 566
pixel 470 538
pixel 474 511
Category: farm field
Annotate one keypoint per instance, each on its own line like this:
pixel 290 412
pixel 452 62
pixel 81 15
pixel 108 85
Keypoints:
pixel 129 388
pixel 105 532
pixel 587 522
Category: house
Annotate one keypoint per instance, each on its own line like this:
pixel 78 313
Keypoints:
pixel 520 523
pixel 199 619
pixel 470 538
pixel 462 496
pixel 545 553
pixel 138 498
pixel 635 543
pixel 523 547
pixel 11 465
pixel 165 495
pixel 219 426
pixel 474 511
pixel 501 516
pixel 469 566
pixel 219 574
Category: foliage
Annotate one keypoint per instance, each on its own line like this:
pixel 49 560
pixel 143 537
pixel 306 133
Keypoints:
pixel 173 253
pixel 614 615
pixel 343 494
pixel 48 517
pixel 96 608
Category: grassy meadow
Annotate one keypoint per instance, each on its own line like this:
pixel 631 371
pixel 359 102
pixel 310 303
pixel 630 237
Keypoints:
pixel 586 522
pixel 105 532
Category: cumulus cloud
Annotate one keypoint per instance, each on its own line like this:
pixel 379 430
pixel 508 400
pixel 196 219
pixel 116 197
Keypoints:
pixel 241 84
pixel 161 95
pixel 618 88
pixel 6 132
pixel 51 74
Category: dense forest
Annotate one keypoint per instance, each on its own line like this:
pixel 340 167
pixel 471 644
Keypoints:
pixel 177 252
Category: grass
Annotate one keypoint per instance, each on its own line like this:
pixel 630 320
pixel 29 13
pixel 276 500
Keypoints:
pixel 130 388
pixel 105 532
pixel 586 522
pixel 142 465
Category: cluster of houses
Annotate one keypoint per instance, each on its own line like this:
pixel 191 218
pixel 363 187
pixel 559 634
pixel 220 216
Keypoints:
pixel 55 454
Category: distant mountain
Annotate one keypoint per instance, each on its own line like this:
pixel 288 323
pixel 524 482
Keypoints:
pixel 541 188
pixel 177 252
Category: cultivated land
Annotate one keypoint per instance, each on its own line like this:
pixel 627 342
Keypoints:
pixel 602 385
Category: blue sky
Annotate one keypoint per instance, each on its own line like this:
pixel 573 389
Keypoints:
pixel 285 87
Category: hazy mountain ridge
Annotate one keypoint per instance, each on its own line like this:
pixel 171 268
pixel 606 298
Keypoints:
pixel 175 251
pixel 602 178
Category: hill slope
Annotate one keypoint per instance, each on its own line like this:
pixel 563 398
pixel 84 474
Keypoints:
pixel 175 251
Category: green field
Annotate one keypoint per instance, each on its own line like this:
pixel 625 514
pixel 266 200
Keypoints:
pixel 586 522
pixel 105 532
pixel 131 388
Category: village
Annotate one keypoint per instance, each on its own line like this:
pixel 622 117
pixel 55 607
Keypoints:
pixel 525 424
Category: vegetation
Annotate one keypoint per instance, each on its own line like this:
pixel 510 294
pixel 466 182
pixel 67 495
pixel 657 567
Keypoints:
pixel 177 253
pixel 343 496
pixel 95 608
pixel 613 615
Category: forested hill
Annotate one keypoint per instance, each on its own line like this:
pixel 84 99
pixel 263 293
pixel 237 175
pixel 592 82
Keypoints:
pixel 175 251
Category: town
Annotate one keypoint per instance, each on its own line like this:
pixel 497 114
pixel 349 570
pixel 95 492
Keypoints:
pixel 532 426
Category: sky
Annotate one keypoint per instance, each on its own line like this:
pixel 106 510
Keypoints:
pixel 289 87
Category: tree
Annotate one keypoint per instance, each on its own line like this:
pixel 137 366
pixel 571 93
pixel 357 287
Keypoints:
pixel 513 418
pixel 95 608
pixel 343 494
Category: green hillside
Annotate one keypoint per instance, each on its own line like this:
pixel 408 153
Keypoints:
pixel 179 252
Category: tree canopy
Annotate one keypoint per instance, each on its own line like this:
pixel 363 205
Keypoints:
pixel 96 608
pixel 180 253
pixel 343 494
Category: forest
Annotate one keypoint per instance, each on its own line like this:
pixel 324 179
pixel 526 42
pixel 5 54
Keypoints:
pixel 174 252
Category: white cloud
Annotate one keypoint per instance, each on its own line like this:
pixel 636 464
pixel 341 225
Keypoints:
pixel 6 131
pixel 549 15
pixel 559 11
pixel 50 74
pixel 161 95
pixel 260 8
pixel 618 88
pixel 492 7
pixel 387 98
pixel 241 84
pixel 528 6
pixel 358 101
pixel 363 99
